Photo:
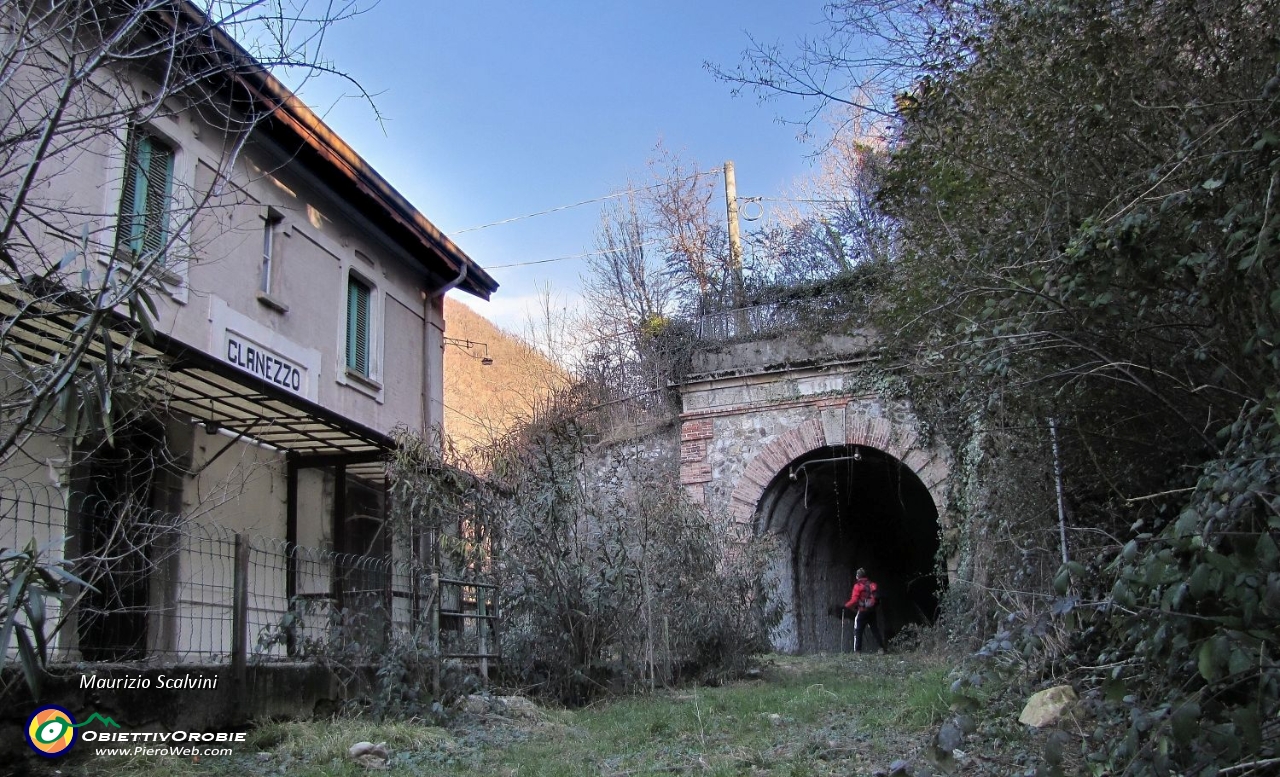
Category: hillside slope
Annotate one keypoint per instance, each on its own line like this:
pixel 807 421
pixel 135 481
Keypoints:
pixel 482 401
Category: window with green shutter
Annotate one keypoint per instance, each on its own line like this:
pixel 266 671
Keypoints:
pixel 147 194
pixel 358 296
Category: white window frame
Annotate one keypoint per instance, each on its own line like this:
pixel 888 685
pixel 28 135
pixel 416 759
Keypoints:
pixel 273 232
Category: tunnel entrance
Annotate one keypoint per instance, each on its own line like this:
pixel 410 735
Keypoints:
pixel 838 508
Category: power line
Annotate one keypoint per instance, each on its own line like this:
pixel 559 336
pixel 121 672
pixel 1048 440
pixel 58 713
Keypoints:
pixel 567 258
pixel 833 201
pixel 559 208
pixel 794 199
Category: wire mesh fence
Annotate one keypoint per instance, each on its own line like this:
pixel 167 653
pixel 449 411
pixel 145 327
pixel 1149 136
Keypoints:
pixel 167 590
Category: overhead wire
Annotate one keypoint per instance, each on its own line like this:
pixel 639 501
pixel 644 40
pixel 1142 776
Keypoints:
pixel 613 196
pixel 829 201
pixel 567 258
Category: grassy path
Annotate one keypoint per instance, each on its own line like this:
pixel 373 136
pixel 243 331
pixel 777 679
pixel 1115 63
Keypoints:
pixel 819 715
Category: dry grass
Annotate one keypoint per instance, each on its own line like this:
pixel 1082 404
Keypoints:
pixel 818 716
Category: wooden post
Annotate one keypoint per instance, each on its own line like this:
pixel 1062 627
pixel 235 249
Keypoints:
pixel 735 242
pixel 240 615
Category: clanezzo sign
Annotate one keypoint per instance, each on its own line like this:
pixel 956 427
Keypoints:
pixel 261 351
pixel 270 366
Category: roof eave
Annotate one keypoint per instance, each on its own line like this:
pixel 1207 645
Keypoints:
pixel 291 115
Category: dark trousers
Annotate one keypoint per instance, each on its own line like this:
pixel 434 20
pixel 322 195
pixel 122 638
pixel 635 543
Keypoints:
pixel 873 617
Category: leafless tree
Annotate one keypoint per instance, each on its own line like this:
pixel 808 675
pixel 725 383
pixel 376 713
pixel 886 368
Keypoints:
pixel 868 53
pixel 830 223
pixel 680 210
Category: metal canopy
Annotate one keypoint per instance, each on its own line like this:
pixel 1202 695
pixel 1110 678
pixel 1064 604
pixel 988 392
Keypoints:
pixel 192 383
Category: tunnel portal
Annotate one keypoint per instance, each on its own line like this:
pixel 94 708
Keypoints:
pixel 838 508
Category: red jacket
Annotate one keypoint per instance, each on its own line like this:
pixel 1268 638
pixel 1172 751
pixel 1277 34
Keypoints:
pixel 863 595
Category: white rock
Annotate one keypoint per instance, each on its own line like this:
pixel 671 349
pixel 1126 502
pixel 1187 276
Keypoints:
pixel 1046 707
pixel 366 749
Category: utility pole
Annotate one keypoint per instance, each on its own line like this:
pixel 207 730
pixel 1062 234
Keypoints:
pixel 735 241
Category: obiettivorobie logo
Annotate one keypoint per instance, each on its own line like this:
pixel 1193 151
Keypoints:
pixel 51 731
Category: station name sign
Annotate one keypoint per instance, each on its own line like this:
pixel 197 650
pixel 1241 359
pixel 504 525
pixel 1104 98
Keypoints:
pixel 265 363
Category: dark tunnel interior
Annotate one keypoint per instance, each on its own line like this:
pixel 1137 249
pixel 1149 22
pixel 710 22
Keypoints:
pixel 843 507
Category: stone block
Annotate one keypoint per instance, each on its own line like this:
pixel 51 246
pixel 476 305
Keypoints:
pixel 934 473
pixel 832 426
pixel 916 460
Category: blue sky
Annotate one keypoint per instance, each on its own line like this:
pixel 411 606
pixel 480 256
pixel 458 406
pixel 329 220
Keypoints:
pixel 500 109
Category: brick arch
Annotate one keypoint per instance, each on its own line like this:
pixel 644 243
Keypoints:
pixel 857 429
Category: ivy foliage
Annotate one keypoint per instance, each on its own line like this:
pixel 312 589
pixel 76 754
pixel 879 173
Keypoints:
pixel 1086 195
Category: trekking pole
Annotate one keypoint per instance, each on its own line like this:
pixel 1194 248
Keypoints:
pixel 841 629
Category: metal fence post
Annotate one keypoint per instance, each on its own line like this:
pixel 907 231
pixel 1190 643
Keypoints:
pixel 435 632
pixel 482 627
pixel 240 614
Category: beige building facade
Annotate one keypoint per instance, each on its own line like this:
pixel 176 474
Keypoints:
pixel 298 317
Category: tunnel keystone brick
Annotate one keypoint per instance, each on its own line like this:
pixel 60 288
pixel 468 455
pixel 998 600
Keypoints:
pixel 833 426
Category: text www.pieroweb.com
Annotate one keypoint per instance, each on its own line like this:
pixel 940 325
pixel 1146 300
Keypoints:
pixel 188 752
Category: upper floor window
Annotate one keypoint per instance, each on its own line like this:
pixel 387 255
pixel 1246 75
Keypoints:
pixel 270 248
pixel 146 197
pixel 359 295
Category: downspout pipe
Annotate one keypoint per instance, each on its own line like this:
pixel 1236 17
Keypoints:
pixel 453 284
pixel 426 332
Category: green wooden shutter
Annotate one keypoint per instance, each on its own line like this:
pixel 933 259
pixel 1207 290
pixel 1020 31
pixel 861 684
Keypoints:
pixel 159 197
pixel 357 326
pixel 146 195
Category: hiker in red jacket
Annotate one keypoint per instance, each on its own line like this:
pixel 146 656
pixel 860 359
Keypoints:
pixel 864 599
